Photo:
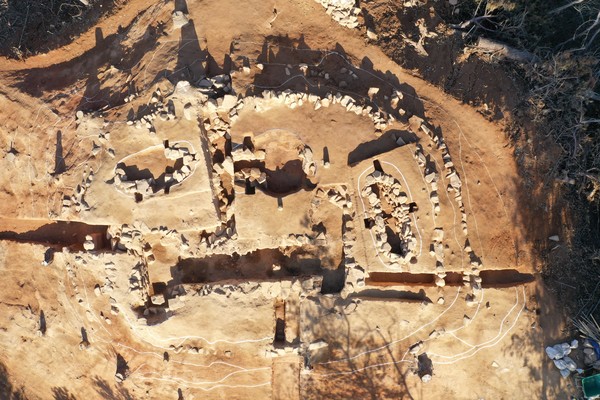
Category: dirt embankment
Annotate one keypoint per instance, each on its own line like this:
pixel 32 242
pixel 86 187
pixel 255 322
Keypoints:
pixel 555 193
pixel 417 38
pixel 41 34
pixel 34 27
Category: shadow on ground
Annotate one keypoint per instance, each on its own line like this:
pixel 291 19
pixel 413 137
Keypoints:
pixel 330 70
pixel 7 390
pixel 371 379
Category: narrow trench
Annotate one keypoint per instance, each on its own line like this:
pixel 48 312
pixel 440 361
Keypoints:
pixel 279 322
pixel 259 265
pixel 408 279
pixel 489 278
pixel 57 233
pixel 393 295
pixel 504 278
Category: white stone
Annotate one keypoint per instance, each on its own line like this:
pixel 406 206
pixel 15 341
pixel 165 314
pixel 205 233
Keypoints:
pixel 179 19
pixel 319 344
pixel 229 102
pixel 373 91
pixel 371 35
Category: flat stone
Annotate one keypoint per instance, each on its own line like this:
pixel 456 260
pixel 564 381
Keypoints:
pixel 179 19
pixel 430 177
pixel 320 344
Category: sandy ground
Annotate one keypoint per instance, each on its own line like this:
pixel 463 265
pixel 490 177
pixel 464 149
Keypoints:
pixel 205 290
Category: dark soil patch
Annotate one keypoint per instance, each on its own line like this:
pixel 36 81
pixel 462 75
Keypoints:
pixel 258 265
pixel 29 27
pixel 59 233
pixel 488 86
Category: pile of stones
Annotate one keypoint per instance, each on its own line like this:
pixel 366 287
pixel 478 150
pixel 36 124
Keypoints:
pixel 149 187
pixel 213 241
pixel 215 86
pixel 343 12
pixel 245 154
pixel 110 269
pixel 254 175
pixel 76 201
pixel 295 240
pixel 560 356
pixel 391 190
pixel 155 108
pixel 128 238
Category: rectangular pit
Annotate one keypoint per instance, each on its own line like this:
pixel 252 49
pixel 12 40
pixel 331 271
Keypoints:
pixel 408 279
pixel 58 233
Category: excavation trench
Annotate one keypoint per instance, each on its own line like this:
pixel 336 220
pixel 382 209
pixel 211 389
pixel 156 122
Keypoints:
pixel 504 278
pixel 281 181
pixel 259 265
pixel 489 279
pixel 392 295
pixel 408 279
pixel 55 233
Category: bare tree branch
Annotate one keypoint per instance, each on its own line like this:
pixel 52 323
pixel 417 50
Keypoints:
pixel 561 8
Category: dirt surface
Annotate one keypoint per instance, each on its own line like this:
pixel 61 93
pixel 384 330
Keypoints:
pixel 249 200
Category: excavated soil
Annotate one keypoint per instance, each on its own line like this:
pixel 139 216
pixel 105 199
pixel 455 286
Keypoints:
pixel 249 200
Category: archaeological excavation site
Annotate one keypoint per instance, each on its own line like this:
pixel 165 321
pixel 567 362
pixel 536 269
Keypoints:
pixel 273 200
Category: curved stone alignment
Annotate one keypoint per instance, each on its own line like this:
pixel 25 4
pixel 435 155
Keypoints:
pixel 390 220
pixel 130 176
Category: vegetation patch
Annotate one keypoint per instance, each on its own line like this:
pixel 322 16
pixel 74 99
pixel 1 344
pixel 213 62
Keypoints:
pixel 29 27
